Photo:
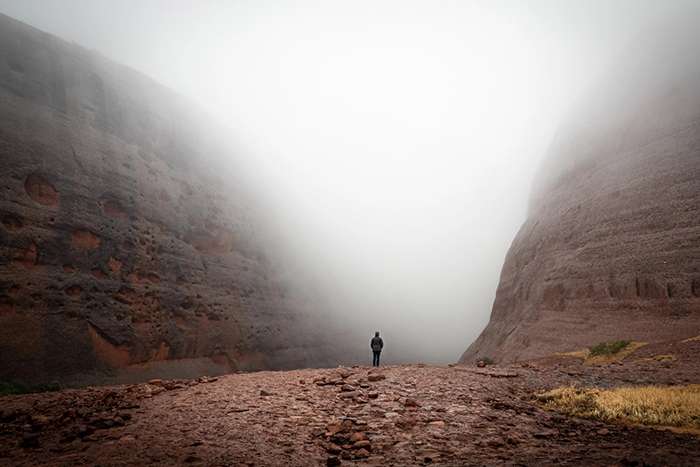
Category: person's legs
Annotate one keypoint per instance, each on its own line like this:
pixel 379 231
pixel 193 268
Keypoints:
pixel 375 358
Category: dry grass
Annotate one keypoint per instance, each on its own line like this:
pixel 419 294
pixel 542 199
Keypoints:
pixel 692 339
pixel 582 354
pixel 606 353
pixel 614 357
pixel 674 406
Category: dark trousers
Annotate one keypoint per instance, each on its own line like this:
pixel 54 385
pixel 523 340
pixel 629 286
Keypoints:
pixel 375 357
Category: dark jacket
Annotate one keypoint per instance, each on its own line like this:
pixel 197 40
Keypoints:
pixel 377 343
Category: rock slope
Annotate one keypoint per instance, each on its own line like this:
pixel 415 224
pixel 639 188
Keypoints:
pixel 611 246
pixel 127 244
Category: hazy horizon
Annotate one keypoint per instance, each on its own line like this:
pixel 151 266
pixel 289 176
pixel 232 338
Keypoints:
pixel 394 144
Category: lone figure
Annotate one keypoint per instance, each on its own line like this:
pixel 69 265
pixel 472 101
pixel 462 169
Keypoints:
pixel 376 344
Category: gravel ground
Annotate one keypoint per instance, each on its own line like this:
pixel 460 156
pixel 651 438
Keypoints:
pixel 399 415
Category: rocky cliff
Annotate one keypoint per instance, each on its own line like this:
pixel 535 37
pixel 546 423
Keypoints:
pixel 611 246
pixel 124 252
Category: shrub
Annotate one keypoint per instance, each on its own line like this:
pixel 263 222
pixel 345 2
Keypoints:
pixel 608 348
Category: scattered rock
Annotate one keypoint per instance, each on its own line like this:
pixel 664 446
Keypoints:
pixel 495 443
pixel 333 449
pixel 363 444
pixel 489 420
pixel 405 423
pixel 127 439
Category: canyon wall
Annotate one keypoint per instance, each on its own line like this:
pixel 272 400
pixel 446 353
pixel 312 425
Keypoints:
pixel 611 246
pixel 127 246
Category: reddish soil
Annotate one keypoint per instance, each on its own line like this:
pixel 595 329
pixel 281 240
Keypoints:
pixel 399 415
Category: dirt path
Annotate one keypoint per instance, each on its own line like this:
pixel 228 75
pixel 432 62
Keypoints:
pixel 404 415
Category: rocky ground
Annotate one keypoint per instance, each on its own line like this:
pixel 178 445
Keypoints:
pixel 398 415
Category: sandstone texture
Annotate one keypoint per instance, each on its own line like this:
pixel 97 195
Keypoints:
pixel 611 246
pixel 400 416
pixel 127 243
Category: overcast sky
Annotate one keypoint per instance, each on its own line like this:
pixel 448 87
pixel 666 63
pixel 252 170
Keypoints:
pixel 396 141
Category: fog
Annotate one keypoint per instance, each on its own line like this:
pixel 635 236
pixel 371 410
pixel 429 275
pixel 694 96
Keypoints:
pixel 392 144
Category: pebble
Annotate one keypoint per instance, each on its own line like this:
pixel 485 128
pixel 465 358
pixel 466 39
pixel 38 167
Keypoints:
pixel 333 449
pixel 364 444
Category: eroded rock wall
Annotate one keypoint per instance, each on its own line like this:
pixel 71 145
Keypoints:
pixel 611 246
pixel 124 252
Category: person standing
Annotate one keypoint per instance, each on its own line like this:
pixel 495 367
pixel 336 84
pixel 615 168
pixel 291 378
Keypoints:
pixel 376 344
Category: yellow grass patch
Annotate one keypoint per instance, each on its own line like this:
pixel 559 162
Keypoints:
pixel 691 339
pixel 674 406
pixel 582 354
pixel 621 355
pixel 588 359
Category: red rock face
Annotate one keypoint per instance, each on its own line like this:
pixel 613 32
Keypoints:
pixel 124 252
pixel 40 190
pixel 611 246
